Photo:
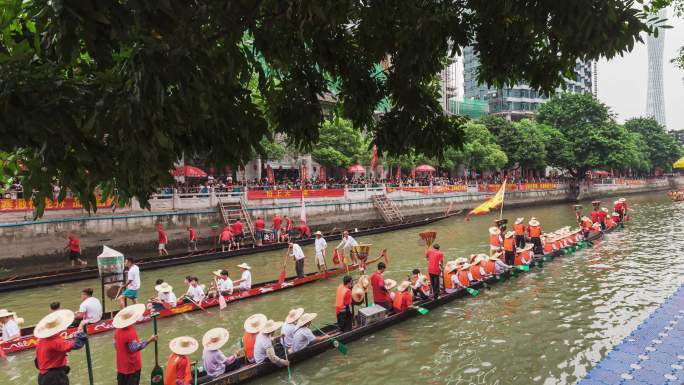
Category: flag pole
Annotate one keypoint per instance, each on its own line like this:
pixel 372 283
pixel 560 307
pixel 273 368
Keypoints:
pixel 503 195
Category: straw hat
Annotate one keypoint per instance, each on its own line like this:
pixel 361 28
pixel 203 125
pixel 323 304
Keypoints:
pixel 294 315
pixel 510 234
pixel 519 220
pixel 254 323
pixel 4 313
pixel 471 258
pixel 533 222
pixel 615 214
pixel 244 266
pixel 364 281
pixel 461 260
pixel 494 257
pixel 616 202
pixel 306 318
pixel 464 266
pixel 478 259
pixel 622 200
pixel 318 233
pixel 270 326
pixel 215 338
pixel 217 273
pixel 163 288
pixel 604 209
pixel 494 231
pixel 390 284
pixel 403 286
pixel 54 323
pixel 358 293
pixel 128 316
pixel 450 266
pixel 183 346
pixel 585 218
pixel 528 246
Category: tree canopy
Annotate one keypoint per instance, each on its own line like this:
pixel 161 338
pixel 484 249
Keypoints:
pixel 660 148
pixel 339 145
pixel 525 142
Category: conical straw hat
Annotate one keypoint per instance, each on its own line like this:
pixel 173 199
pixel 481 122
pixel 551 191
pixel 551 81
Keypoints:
pixel 184 345
pixel 215 338
pixel 254 323
pixel 54 323
pixel 128 316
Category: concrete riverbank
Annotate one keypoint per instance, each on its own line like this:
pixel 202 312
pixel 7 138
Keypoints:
pixel 132 229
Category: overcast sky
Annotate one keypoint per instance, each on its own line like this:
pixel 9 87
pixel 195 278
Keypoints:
pixel 622 81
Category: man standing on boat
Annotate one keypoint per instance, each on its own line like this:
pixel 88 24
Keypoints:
pixel 277 222
pixel 343 303
pixel 237 229
pixel 128 345
pixel 495 240
pixel 132 283
pixel 519 228
pixel 346 244
pixel 320 245
pixel 288 227
pixel 298 254
pixel 435 259
pixel 90 310
pixel 380 294
pixel 535 231
pixel 52 347
pixel 192 239
pixel 509 247
pixel 163 240
pixel 259 226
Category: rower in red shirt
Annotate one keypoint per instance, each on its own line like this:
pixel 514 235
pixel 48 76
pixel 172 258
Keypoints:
pixel 596 212
pixel 277 222
pixel 192 239
pixel 259 226
pixel 74 247
pixel 163 240
pixel 435 259
pixel 52 348
pixel 380 293
pixel 343 301
pixel 128 345
pixel 237 229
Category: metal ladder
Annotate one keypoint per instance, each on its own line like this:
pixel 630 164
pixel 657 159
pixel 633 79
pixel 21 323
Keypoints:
pixel 388 209
pixel 233 210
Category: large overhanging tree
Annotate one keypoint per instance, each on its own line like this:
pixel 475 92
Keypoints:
pixel 109 93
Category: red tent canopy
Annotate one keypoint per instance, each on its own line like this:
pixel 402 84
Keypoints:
pixel 425 168
pixel 357 168
pixel 189 171
pixel 598 172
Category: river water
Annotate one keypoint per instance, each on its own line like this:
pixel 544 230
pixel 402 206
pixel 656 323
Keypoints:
pixel 549 326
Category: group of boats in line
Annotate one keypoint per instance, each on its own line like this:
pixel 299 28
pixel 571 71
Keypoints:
pixel 557 243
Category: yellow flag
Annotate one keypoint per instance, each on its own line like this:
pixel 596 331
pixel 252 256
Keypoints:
pixel 492 203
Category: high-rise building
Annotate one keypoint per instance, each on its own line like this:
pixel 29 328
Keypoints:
pixel 655 95
pixel 521 100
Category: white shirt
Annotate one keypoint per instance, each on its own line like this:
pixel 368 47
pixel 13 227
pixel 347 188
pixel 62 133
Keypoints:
pixel 10 329
pixel 246 280
pixel 302 338
pixel 297 252
pixel 169 298
pixel 225 285
pixel 320 244
pixel 134 277
pixel 91 309
pixel 348 243
pixel 196 293
pixel 262 343
pixel 288 332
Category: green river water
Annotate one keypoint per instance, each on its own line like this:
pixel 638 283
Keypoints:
pixel 549 326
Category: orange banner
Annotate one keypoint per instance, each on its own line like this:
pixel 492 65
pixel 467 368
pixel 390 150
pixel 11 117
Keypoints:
pixel 9 205
pixel 426 189
pixel 292 194
pixel 519 187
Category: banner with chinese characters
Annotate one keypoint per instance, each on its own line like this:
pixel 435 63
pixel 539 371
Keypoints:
pixel 519 187
pixel 7 205
pixel 294 194
pixel 426 189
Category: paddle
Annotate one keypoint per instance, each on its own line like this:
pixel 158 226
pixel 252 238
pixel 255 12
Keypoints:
pixel 89 361
pixel 421 310
pixel 342 348
pixel 281 277
pixel 472 291
pixel 157 375
pixel 289 370
pixel 522 268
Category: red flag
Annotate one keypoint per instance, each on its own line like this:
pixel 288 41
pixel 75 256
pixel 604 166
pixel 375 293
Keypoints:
pixel 374 159
pixel 321 174
pixel 398 176
pixel 269 175
pixel 302 173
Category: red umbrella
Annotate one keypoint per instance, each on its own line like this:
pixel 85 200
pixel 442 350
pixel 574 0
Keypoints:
pixel 357 168
pixel 189 171
pixel 425 168
pixel 598 172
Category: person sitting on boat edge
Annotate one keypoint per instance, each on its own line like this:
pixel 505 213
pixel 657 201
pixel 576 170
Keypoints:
pixel 435 260
pixel 90 310
pixel 380 293
pixel 252 326
pixel 52 347
pixel 499 266
pixel 303 336
pixel 132 283
pixel 195 292
pixel 477 270
pixel 178 369
pixel 214 361
pixel 127 344
pixel 587 226
pixel 420 285
pixel 534 231
pixel 519 229
pixel 343 302
pixel 402 298
pixel 450 276
pixel 224 283
pixel 524 256
pixel 463 276
pixel 10 326
pixel 165 298
pixel 263 346
pixel 245 281
pixel 290 325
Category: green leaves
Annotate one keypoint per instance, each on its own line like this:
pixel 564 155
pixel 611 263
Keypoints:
pixel 339 145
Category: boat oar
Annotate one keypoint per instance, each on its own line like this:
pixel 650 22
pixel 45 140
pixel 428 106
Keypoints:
pixel 157 376
pixel 472 291
pixel 522 267
pixel 421 310
pixel 342 348
pixel 89 361
pixel 281 277
pixel 289 370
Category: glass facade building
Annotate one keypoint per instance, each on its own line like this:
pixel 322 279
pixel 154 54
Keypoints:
pixel 655 95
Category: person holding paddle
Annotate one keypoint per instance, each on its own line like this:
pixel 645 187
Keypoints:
pixel 435 259
pixel 215 362
pixel 303 336
pixel 298 254
pixel 128 345
pixel 343 301
pixel 320 245
pixel 52 347
pixel 290 326
pixel 132 283
pixel 178 367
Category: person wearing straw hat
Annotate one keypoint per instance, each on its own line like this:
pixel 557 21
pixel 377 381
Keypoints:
pixel 10 327
pixel 509 247
pixel 252 327
pixel 463 276
pixel 449 277
pixel 245 281
pixel 296 251
pixel 524 257
pixel 343 302
pixel 90 310
pixel 214 361
pixel 603 214
pixel 519 228
pixel 389 285
pixel 165 299
pixel 263 347
pixel 586 224
pixel 290 326
pixel 435 259
pixel 128 345
pixel 477 271
pixel 420 285
pixel 402 298
pixel 178 368
pixel 320 245
pixel 132 283
pixel 380 292
pixel 495 240
pixel 303 336
pixel 52 347
pixel 534 231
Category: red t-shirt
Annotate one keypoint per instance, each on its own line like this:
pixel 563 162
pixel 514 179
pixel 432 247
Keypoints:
pixel 595 216
pixel 304 229
pixel 193 234
pixel 378 284
pixel 226 235
pixel 126 362
pixel 52 352
pixel 288 224
pixel 602 216
pixel 162 236
pixel 74 245
pixel 434 257
pixel 237 228
pixel 277 221
pixel 259 224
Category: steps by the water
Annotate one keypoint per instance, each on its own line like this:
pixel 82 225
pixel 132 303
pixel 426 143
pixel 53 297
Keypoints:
pixel 388 209
pixel 652 354
pixel 233 210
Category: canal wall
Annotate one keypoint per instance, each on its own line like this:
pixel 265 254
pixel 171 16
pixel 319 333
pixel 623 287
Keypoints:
pixel 132 229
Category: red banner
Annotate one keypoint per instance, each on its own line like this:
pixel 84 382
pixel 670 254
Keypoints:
pixel 426 189
pixel 10 205
pixel 519 187
pixel 294 194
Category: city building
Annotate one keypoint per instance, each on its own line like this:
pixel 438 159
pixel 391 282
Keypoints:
pixel 519 101
pixel 679 135
pixel 655 95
